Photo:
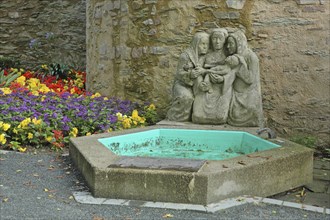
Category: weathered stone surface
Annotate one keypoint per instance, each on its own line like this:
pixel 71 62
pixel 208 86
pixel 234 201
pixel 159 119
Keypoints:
pixel 314 8
pixel 236 4
pixel 25 21
pixel 307 2
pixel 226 15
pixel 158 163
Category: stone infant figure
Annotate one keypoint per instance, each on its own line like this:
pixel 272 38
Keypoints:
pixel 216 74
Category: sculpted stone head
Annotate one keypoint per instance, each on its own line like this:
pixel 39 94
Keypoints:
pixel 218 38
pixel 236 43
pixel 200 43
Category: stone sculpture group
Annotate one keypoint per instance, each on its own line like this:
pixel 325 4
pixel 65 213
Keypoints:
pixel 217 81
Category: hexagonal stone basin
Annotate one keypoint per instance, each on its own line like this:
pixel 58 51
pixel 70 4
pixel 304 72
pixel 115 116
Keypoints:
pixel 187 144
pixel 249 165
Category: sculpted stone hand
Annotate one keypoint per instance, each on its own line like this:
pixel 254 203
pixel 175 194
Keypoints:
pixel 216 78
pixel 198 71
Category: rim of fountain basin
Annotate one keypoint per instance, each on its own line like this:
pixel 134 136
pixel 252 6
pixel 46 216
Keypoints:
pixel 189 181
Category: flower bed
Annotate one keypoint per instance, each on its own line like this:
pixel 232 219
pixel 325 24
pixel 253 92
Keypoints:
pixel 44 110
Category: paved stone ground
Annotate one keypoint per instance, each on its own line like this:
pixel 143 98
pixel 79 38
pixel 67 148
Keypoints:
pixel 318 192
pixel 41 186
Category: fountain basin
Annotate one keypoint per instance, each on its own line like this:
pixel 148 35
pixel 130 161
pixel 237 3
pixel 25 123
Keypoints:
pixel 186 144
pixel 194 181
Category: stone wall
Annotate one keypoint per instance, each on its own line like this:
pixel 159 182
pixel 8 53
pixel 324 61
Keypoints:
pixel 133 49
pixel 40 31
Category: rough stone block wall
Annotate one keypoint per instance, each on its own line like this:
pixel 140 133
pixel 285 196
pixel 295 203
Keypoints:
pixel 133 49
pixel 40 31
pixel 292 41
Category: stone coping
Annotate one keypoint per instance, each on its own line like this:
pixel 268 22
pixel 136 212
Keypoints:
pixel 263 173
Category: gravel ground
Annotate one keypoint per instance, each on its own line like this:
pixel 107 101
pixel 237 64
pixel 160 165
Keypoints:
pixel 40 185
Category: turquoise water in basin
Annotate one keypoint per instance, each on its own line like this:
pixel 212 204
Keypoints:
pixel 188 144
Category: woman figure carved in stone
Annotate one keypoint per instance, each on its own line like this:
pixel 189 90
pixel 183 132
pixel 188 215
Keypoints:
pixel 190 67
pixel 246 106
pixel 213 93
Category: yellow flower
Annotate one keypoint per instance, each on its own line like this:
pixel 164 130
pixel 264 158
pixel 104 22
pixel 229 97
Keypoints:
pixel 34 81
pixel 135 114
pixel 74 132
pixel 21 80
pixel 72 91
pixel 6 91
pixel 136 118
pixel 49 138
pixel 151 107
pixel 119 116
pixel 5 126
pixel 3 139
pixel 36 121
pixel 43 98
pixel 36 93
pixel 142 120
pixel 127 123
pixel 44 88
pixel 24 123
pixel 105 99
pixel 88 134
pixel 30 135
pixel 15 131
pixel 44 66
pixel 96 95
pixel 21 149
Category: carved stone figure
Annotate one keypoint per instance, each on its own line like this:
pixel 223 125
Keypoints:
pixel 213 94
pixel 190 67
pixel 246 106
pixel 218 86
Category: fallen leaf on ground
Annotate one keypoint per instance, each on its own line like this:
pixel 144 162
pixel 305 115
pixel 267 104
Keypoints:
pixel 168 216
pixel 46 190
pixel 18 171
pixel 51 167
pixel 5 199
pixel 241 162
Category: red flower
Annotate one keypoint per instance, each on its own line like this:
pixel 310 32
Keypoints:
pixel 28 75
